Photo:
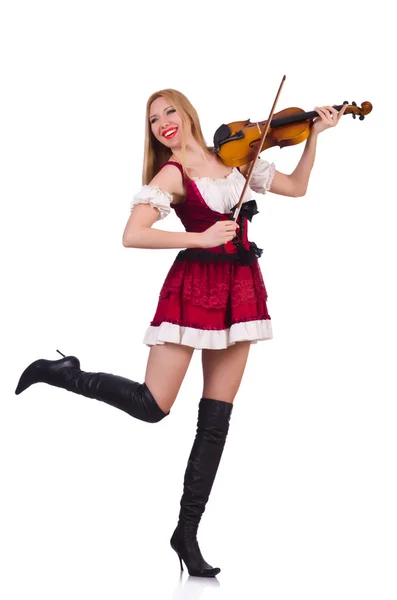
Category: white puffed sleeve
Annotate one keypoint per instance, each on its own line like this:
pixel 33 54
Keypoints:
pixel 150 194
pixel 262 176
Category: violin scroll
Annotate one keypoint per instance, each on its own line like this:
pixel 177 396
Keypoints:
pixel 354 110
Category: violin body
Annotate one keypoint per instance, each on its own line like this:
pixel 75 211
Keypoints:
pixel 236 143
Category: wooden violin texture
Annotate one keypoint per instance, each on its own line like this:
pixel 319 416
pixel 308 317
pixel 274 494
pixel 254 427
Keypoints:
pixel 236 143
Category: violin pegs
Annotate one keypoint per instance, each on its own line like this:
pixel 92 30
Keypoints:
pixel 361 117
pixel 353 115
pixel 345 102
pixel 354 103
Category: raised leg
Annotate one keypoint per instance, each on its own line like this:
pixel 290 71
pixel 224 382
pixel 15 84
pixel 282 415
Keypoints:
pixel 165 372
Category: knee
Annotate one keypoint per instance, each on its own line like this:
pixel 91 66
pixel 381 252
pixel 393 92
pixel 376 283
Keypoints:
pixel 154 413
pixel 157 416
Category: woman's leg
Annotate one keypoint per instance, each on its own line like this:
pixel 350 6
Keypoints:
pixel 165 371
pixel 150 401
pixel 222 372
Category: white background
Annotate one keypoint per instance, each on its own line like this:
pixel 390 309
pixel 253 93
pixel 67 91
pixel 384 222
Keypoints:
pixel 304 501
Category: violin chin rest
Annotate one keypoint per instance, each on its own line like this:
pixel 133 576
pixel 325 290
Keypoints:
pixel 220 136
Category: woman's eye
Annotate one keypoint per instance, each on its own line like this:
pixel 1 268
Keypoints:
pixel 172 110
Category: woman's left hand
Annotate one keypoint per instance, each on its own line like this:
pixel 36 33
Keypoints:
pixel 328 117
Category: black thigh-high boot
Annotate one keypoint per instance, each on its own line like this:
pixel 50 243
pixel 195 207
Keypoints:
pixel 212 428
pixel 132 397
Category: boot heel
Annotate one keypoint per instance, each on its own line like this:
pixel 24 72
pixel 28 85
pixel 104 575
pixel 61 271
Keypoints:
pixel 180 560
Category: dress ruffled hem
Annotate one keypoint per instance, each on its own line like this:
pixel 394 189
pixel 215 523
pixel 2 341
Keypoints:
pixel 253 331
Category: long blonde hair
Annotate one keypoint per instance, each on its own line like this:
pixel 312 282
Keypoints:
pixel 155 153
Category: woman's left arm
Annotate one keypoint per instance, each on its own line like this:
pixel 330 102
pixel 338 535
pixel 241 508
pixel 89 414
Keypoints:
pixel 296 184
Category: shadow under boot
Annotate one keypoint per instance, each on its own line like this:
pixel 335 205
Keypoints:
pixel 212 429
pixel 122 393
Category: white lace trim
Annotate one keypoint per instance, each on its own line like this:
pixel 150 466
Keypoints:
pixel 151 194
pixel 219 194
pixel 252 331
pixel 262 176
pixel 224 193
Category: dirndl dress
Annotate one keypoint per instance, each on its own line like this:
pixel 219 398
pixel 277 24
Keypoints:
pixel 213 297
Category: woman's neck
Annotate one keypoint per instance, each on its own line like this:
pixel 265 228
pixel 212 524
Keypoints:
pixel 194 155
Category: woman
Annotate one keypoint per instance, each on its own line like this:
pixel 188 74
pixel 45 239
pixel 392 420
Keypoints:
pixel 213 298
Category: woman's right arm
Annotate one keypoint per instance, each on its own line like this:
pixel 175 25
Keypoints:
pixel 138 232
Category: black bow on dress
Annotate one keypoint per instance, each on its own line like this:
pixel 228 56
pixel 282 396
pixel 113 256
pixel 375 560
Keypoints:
pixel 248 209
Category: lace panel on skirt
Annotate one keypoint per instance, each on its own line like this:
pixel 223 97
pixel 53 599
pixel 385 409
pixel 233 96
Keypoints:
pixel 216 285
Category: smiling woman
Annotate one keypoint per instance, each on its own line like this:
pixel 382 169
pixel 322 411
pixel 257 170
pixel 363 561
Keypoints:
pixel 169 110
pixel 213 298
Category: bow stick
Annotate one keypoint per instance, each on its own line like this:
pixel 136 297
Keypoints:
pixel 258 150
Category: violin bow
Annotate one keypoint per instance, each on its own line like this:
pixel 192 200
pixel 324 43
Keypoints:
pixel 258 150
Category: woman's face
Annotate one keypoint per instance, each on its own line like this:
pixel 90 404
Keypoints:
pixel 165 123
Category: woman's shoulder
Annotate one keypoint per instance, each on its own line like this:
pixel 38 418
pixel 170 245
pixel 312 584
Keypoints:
pixel 169 179
pixel 172 163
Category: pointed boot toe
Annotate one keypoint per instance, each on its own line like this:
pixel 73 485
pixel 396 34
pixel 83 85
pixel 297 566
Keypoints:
pixel 41 370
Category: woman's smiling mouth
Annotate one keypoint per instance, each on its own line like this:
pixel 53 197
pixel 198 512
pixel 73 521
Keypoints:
pixel 170 133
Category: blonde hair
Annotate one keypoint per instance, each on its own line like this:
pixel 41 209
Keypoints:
pixel 155 153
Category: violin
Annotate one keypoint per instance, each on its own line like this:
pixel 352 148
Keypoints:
pixel 237 143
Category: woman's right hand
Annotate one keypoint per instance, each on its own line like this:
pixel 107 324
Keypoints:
pixel 219 233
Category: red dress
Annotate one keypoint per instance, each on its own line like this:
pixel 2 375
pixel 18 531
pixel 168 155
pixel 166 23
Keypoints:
pixel 212 297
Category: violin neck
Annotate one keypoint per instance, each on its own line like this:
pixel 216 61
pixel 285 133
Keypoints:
pixel 297 118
